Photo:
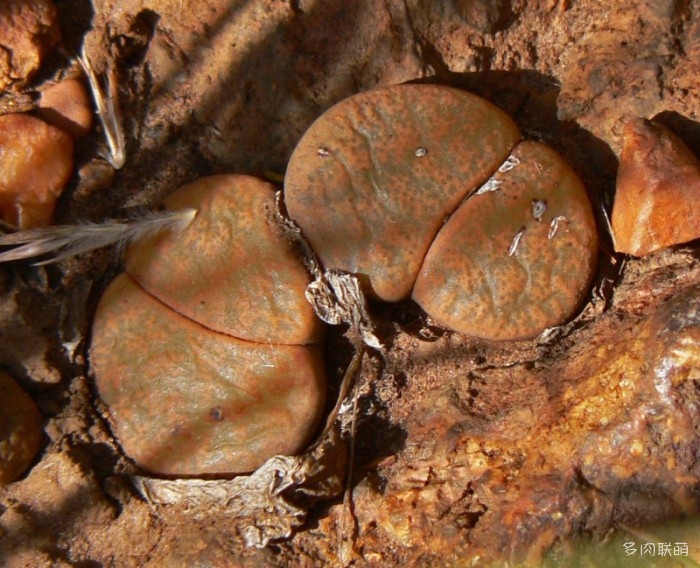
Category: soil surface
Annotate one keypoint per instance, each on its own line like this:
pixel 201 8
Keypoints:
pixel 555 451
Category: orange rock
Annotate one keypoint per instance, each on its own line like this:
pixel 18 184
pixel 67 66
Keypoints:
pixel 36 161
pixel 20 429
pixel 28 31
pixel 657 200
pixel 68 106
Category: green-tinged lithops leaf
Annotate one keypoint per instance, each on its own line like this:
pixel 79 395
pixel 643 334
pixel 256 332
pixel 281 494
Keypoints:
pixel 518 256
pixel 372 180
pixel 20 429
pixel 230 270
pixel 185 400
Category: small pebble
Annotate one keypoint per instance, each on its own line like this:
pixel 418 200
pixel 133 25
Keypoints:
pixel 20 429
pixel 67 105
pixel 36 162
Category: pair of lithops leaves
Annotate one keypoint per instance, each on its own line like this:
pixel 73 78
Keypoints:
pixel 206 351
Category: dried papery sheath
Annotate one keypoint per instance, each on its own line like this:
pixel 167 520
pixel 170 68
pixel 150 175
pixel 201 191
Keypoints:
pixel 335 296
pixel 293 232
pixel 554 226
pixel 108 112
pixel 266 505
pixel 513 249
pixel 64 241
pixel 509 164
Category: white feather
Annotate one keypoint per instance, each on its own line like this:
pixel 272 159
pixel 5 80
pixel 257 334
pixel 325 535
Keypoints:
pixel 63 241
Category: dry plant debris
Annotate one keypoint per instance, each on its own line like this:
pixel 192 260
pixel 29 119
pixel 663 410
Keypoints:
pixel 657 200
pixel 108 111
pixel 267 505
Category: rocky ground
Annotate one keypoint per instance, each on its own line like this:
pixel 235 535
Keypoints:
pixel 552 451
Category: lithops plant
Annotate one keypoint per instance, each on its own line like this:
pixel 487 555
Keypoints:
pixel 205 349
pixel 373 180
pixel 20 429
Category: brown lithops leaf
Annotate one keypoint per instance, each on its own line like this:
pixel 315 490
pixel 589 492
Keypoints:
pixel 230 270
pixel 20 429
pixel 373 178
pixel 517 259
pixel 657 200
pixel 36 161
pixel 185 400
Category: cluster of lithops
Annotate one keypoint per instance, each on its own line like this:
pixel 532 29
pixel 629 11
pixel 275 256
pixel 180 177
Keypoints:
pixel 205 350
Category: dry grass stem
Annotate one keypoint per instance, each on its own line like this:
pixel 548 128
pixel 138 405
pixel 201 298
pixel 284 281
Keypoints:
pixel 108 112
